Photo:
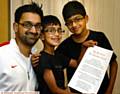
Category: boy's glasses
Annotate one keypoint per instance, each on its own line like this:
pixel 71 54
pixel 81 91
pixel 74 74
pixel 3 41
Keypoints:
pixel 28 25
pixel 52 30
pixel 74 20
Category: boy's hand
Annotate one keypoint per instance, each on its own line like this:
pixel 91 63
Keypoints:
pixel 85 45
pixel 89 43
pixel 35 59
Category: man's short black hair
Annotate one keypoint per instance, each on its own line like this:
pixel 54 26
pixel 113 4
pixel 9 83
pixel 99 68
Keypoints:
pixel 50 19
pixel 73 8
pixel 33 7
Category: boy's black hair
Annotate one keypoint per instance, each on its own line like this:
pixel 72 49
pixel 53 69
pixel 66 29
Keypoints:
pixel 33 7
pixel 50 19
pixel 73 8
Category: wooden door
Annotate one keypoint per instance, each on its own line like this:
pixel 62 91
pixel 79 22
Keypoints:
pixel 4 21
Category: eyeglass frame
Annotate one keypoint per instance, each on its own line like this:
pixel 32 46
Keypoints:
pixel 52 30
pixel 24 24
pixel 75 20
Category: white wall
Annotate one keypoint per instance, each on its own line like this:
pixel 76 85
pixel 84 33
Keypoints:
pixel 104 15
pixel 13 5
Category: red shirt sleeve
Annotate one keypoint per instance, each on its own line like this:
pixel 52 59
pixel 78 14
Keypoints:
pixel 4 43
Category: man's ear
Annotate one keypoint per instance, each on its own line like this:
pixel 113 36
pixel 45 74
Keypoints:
pixel 15 27
pixel 42 36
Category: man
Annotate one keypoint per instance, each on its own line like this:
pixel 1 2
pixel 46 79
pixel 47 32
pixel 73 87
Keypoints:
pixel 16 72
pixel 76 19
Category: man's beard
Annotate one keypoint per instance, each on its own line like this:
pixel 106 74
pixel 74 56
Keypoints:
pixel 30 38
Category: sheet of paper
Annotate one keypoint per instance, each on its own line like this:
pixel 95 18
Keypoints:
pixel 91 70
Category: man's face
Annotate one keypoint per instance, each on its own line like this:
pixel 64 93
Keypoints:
pixel 28 29
pixel 77 23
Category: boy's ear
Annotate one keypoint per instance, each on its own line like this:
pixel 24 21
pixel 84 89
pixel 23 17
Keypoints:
pixel 42 36
pixel 87 18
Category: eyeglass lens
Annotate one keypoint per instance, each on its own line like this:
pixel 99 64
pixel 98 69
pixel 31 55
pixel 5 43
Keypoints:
pixel 29 25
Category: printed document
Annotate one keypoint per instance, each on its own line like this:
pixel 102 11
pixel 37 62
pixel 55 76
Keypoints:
pixel 91 70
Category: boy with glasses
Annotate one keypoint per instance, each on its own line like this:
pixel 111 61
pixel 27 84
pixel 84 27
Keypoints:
pixel 16 72
pixel 75 18
pixel 50 71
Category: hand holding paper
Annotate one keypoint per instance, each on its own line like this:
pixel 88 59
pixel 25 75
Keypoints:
pixel 91 70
